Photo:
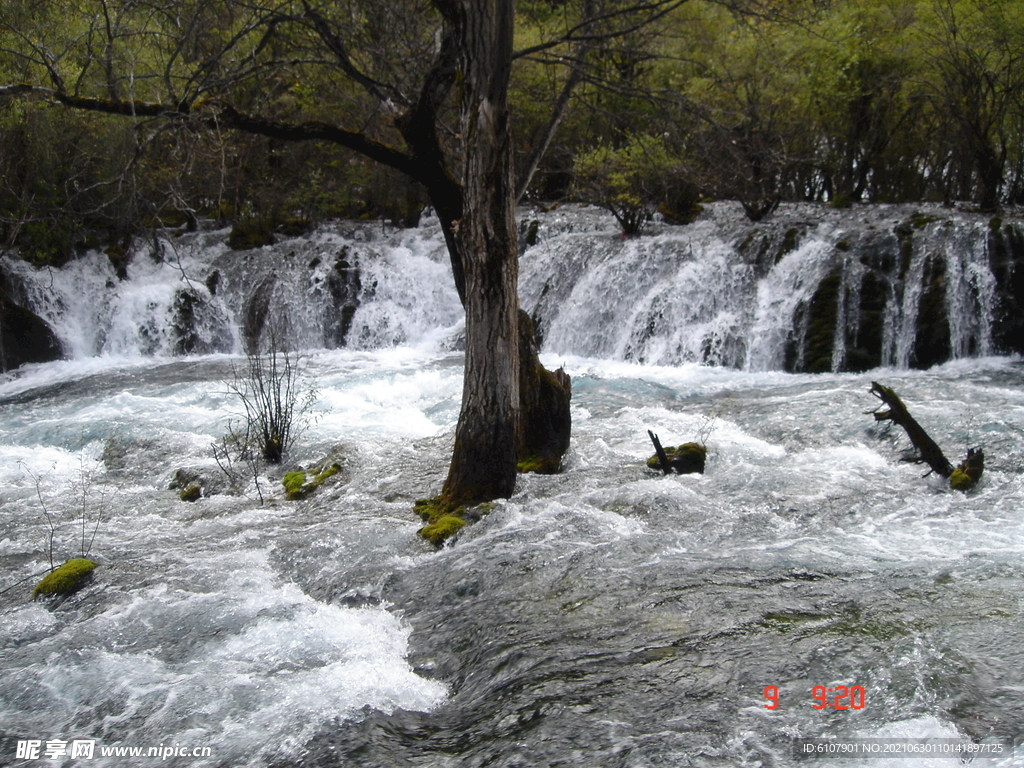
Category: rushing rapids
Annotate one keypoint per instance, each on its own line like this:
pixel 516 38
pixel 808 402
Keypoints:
pixel 606 616
pixel 812 289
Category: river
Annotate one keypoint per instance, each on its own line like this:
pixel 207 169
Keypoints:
pixel 605 616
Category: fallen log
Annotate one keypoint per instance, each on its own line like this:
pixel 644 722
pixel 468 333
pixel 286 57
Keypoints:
pixel 928 450
pixel 964 477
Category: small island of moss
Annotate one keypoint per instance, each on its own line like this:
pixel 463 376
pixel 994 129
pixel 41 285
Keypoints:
pixel 66 578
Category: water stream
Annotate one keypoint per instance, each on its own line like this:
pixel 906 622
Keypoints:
pixel 607 616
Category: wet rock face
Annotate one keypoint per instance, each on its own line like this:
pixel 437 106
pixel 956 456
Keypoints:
pixel 24 337
pixel 198 327
pixel 932 340
pixel 1006 259
pixel 914 292
pixel 344 287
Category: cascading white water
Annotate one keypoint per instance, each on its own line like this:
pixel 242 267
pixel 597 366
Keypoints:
pixel 811 289
pixel 191 294
pixel 799 292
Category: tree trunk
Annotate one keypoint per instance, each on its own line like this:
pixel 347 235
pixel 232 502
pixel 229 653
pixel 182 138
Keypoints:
pixel 483 465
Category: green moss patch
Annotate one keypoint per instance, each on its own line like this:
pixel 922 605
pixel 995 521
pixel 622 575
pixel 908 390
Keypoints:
pixel 297 485
pixel 191 492
pixel 66 578
pixel 293 483
pixel 969 472
pixel 541 465
pixel 444 519
pixel 446 526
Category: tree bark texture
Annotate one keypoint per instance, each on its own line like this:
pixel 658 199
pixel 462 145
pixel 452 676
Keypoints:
pixel 484 460
pixel 545 419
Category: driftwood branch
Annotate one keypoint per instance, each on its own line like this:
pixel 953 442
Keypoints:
pixel 662 457
pixel 928 451
pixel 684 459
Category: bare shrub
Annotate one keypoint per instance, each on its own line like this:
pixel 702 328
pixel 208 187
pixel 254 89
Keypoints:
pixel 276 404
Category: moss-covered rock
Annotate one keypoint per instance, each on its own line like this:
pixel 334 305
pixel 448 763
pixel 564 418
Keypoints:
pixel 446 526
pixel 445 519
pixel 969 472
pixel 430 509
pixel 191 492
pixel 297 486
pixel 66 578
pixel 293 482
pixel 192 483
pixel 685 459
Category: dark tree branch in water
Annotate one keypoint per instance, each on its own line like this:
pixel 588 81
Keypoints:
pixel 929 452
pixel 662 457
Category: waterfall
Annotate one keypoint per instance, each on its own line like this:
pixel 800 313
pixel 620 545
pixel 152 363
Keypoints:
pixel 811 289
pixel 346 284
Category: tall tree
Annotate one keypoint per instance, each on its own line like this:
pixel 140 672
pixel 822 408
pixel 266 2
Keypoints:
pixel 977 80
pixel 399 75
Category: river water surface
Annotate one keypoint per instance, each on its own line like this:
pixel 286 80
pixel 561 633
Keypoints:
pixel 607 616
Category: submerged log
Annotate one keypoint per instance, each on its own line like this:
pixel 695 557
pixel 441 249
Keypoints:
pixel 662 457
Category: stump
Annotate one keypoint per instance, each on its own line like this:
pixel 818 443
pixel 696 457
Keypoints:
pixel 685 459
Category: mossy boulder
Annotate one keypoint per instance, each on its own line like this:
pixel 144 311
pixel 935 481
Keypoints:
pixel 444 520
pixel 192 483
pixel 446 526
pixel 969 472
pixel 191 492
pixel 685 459
pixel 66 578
pixel 299 485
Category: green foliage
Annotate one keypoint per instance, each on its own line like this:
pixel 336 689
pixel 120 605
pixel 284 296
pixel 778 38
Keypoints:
pixel 251 232
pixel 855 101
pixel 630 180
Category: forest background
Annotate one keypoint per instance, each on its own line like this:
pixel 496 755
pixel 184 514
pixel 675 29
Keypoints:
pixel 835 102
